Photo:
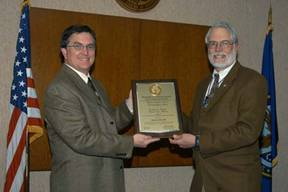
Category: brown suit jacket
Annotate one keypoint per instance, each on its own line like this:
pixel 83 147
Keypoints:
pixel 228 158
pixel 87 151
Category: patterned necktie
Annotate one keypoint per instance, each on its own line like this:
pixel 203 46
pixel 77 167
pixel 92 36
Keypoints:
pixel 212 90
pixel 214 86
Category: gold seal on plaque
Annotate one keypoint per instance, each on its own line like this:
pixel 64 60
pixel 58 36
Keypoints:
pixel 137 5
pixel 155 89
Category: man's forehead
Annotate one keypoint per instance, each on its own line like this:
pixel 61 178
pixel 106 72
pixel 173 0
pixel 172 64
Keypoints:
pixel 220 33
pixel 82 35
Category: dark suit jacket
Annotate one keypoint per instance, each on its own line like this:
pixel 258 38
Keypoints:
pixel 87 150
pixel 228 158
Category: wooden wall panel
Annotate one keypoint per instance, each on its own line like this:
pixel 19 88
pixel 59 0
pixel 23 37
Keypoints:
pixel 171 51
pixel 177 51
pixel 127 49
pixel 117 55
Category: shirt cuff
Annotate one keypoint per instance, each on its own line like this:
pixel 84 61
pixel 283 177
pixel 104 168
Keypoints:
pixel 129 106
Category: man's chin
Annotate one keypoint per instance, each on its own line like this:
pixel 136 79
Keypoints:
pixel 220 65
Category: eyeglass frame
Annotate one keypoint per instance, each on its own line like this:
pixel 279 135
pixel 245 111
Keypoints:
pixel 80 47
pixel 224 44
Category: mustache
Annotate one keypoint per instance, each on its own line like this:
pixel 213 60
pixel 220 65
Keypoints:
pixel 228 59
pixel 219 54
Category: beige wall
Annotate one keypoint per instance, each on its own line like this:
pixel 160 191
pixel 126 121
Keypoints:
pixel 248 16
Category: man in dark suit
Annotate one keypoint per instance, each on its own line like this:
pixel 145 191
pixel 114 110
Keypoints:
pixel 87 150
pixel 226 120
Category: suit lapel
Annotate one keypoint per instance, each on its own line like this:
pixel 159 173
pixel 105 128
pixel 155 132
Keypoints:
pixel 225 86
pixel 101 99
pixel 82 86
pixel 203 90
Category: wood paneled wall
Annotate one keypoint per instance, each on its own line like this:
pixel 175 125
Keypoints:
pixel 127 49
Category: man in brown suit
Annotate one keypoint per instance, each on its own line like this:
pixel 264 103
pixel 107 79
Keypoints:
pixel 226 120
pixel 87 150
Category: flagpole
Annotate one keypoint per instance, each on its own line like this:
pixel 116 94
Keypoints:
pixel 270 27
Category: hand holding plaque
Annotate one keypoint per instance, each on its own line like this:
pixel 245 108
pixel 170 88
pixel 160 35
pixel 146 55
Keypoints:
pixel 156 107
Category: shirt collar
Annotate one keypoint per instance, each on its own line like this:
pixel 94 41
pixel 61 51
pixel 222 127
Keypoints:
pixel 83 76
pixel 223 73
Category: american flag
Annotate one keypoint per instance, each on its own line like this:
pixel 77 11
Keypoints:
pixel 24 111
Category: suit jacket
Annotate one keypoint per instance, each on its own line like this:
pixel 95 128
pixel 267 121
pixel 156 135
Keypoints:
pixel 87 150
pixel 228 157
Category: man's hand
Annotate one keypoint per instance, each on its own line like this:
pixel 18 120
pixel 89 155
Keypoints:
pixel 143 141
pixel 185 140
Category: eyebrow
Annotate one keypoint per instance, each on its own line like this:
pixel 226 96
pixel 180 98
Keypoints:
pixel 77 42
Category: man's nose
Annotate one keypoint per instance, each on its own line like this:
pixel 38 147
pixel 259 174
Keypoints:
pixel 218 47
pixel 85 50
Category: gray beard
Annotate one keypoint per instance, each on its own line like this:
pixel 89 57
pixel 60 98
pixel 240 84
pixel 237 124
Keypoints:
pixel 230 59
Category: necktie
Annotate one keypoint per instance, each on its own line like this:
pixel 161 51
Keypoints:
pixel 215 85
pixel 212 90
pixel 90 84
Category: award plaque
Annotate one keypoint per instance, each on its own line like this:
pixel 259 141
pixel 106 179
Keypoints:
pixel 156 107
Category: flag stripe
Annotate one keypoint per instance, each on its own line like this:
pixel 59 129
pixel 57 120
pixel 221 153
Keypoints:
pixel 32 92
pixel 18 182
pixel 29 73
pixel 23 187
pixel 15 163
pixel 15 139
pixel 30 82
pixel 33 102
pixel 12 124
pixel 34 112
pixel 35 121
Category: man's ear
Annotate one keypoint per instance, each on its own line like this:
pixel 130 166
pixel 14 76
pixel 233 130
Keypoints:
pixel 64 52
pixel 237 47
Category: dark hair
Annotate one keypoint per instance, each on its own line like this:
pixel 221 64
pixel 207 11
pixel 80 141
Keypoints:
pixel 75 29
pixel 70 31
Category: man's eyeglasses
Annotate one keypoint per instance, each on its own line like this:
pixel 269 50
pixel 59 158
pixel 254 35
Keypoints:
pixel 80 47
pixel 223 44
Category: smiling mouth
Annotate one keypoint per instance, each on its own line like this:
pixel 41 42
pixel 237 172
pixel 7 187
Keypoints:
pixel 84 59
pixel 219 56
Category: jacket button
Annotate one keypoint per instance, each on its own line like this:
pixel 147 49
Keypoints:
pixel 111 122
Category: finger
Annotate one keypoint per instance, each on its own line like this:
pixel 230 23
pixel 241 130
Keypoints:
pixel 176 137
pixel 173 141
pixel 147 137
pixel 153 140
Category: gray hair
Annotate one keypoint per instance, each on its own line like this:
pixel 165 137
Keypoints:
pixel 225 25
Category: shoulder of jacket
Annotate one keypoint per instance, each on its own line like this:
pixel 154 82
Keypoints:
pixel 249 73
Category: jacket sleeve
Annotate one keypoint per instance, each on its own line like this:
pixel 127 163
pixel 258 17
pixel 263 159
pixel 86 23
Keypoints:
pixel 68 122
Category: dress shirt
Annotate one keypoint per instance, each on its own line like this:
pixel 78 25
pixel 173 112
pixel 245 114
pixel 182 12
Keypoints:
pixel 222 74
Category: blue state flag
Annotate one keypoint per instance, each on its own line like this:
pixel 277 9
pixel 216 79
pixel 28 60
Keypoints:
pixel 269 136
